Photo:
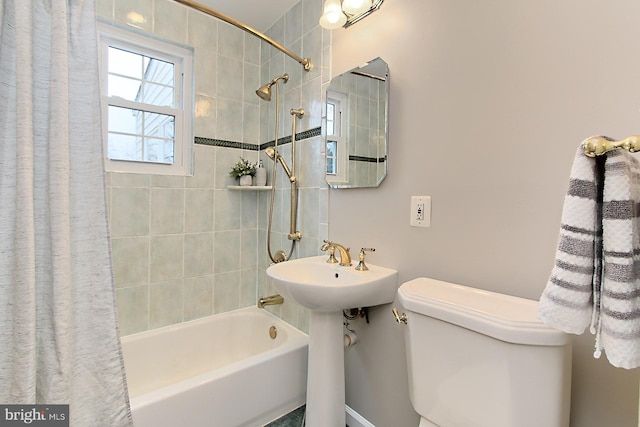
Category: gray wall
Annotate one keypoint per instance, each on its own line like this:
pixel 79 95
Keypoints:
pixel 489 101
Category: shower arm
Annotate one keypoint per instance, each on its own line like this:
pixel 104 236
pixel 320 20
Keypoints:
pixel 305 62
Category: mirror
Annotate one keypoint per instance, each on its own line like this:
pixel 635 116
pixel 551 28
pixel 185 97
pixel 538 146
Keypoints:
pixel 357 105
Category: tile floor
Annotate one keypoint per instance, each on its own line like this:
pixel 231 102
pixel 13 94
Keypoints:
pixel 292 419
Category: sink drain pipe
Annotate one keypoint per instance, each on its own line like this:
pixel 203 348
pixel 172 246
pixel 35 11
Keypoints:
pixel 350 338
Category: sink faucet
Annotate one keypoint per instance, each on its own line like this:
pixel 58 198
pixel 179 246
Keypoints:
pixel 345 258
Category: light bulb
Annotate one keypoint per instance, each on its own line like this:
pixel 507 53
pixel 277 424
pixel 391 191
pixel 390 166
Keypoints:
pixel 356 7
pixel 332 17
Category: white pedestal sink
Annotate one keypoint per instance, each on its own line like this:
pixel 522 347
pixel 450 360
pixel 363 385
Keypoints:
pixel 327 289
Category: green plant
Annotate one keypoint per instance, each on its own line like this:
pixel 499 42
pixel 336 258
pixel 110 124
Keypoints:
pixel 243 167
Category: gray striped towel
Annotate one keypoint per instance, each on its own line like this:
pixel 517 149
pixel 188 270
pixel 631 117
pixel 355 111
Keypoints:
pixel 596 278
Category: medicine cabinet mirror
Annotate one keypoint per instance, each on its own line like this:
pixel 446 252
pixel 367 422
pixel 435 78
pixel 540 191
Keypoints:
pixel 357 105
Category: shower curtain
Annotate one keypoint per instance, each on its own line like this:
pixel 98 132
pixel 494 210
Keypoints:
pixel 59 341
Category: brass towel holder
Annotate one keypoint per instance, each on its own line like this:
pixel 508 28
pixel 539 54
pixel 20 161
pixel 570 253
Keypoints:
pixel 598 145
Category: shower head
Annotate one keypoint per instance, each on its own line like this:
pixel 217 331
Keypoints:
pixel 271 152
pixel 264 92
pixel 275 156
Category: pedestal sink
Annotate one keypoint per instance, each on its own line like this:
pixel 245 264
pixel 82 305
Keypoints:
pixel 327 289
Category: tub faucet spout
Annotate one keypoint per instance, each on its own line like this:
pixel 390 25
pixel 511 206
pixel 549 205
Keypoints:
pixel 345 257
pixel 270 300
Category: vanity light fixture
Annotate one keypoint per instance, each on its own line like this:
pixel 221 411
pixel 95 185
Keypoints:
pixel 343 13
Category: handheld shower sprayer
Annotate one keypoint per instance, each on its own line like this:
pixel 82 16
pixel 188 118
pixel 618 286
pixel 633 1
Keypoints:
pixel 275 155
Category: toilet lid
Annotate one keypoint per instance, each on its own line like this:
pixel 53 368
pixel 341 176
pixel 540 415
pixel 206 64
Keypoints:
pixel 500 316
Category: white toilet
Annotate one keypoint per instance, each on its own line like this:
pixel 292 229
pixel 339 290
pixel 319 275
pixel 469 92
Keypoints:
pixel 483 359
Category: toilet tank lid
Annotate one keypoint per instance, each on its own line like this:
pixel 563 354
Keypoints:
pixel 500 316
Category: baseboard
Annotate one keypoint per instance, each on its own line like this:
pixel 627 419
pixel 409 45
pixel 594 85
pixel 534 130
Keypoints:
pixel 354 419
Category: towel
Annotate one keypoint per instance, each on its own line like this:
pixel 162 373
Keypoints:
pixel 596 277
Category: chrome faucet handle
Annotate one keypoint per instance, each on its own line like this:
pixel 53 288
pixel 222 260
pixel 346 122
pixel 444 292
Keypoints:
pixel 361 265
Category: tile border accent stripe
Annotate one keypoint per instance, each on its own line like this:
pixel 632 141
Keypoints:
pixel 256 147
pixel 223 143
pixel 308 133
pixel 367 159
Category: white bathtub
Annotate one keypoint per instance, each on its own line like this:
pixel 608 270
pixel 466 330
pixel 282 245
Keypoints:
pixel 219 371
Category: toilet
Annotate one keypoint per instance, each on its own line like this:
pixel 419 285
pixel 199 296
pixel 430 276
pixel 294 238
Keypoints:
pixel 482 359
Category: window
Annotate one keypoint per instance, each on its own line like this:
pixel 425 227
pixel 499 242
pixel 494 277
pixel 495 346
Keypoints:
pixel 332 145
pixel 147 94
pixel 336 151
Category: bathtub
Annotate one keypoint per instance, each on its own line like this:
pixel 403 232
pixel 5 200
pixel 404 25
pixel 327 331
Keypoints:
pixel 219 371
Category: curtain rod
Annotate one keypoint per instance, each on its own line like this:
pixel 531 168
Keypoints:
pixel 598 145
pixel 305 62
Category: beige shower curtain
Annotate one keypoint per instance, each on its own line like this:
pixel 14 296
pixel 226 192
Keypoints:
pixel 59 341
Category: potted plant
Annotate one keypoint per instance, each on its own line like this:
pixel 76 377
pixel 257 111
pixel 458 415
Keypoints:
pixel 244 170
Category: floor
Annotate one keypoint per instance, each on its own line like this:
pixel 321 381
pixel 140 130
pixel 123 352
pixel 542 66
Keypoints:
pixel 292 419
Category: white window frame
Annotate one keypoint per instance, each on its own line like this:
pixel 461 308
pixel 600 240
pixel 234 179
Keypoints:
pixel 182 59
pixel 339 100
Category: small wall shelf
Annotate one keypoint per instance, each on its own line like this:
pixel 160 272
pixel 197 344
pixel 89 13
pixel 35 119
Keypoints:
pixel 249 187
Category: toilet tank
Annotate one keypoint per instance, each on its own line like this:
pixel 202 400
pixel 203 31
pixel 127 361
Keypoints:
pixel 482 359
